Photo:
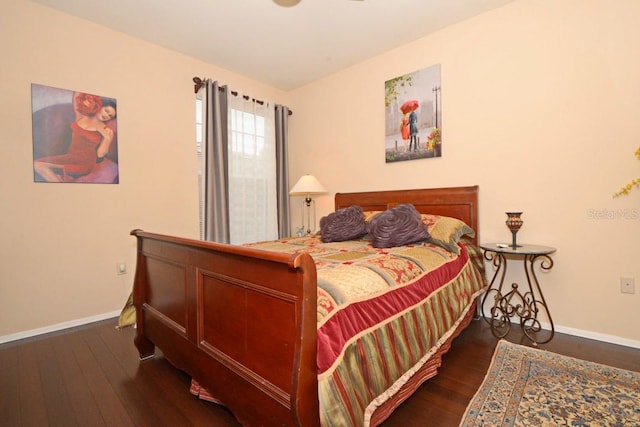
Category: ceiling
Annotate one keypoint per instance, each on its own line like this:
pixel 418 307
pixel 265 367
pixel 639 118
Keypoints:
pixel 284 47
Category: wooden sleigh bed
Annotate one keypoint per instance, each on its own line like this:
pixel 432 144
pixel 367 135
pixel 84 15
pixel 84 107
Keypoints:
pixel 243 321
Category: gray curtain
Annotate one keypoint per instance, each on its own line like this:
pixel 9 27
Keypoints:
pixel 216 216
pixel 282 170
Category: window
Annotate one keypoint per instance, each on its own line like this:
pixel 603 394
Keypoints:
pixel 251 170
pixel 200 152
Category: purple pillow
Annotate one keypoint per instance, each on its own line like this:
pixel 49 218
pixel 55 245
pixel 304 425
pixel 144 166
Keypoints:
pixel 397 226
pixel 343 224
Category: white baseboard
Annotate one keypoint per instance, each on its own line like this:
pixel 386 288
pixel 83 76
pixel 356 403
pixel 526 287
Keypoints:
pixel 611 339
pixel 57 327
pixel 597 336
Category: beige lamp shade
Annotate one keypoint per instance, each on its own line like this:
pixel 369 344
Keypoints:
pixel 286 3
pixel 307 185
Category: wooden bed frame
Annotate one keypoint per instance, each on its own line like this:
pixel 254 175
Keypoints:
pixel 242 322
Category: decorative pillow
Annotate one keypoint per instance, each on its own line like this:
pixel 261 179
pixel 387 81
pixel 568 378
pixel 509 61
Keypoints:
pixel 343 224
pixel 445 231
pixel 397 226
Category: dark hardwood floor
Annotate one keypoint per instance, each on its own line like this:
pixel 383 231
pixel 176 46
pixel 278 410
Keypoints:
pixel 91 376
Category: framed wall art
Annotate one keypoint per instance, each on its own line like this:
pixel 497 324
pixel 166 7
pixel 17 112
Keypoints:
pixel 75 137
pixel 413 116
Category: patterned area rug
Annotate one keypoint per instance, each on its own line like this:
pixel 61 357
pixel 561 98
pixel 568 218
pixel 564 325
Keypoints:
pixel 532 387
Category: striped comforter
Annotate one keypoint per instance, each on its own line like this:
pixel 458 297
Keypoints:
pixel 381 314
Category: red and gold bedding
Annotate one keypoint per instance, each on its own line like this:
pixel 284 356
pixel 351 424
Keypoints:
pixel 381 314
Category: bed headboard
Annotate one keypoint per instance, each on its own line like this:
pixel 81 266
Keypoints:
pixel 456 202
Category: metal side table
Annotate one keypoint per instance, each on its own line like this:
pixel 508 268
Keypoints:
pixel 526 301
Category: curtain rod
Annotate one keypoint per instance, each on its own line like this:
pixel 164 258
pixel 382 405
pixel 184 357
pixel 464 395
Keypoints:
pixel 198 83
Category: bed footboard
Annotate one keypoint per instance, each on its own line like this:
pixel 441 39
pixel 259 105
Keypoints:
pixel 240 321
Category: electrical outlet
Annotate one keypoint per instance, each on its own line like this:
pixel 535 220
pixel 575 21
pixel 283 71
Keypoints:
pixel 628 285
pixel 121 268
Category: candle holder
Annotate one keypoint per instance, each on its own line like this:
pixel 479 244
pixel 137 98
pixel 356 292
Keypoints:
pixel 514 222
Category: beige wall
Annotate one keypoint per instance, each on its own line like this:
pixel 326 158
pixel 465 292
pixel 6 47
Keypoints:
pixel 61 242
pixel 539 109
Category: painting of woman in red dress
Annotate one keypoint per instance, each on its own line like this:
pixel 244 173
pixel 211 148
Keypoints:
pixel 76 146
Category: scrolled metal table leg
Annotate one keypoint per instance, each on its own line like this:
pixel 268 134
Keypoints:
pixel 534 300
pixel 500 319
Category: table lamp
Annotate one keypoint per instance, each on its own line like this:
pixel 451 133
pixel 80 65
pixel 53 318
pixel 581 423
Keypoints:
pixel 307 186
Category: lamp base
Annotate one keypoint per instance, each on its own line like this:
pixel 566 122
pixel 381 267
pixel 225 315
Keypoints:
pixel 308 216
